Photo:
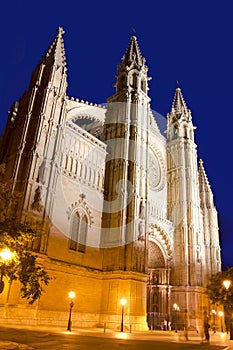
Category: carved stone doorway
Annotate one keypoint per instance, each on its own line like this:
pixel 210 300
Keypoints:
pixel 158 289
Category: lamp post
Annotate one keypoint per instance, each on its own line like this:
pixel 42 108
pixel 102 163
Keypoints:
pixel 71 296
pixel 214 317
pixel 220 314
pixel 226 284
pixel 186 324
pixel 5 256
pixel 123 302
pixel 176 309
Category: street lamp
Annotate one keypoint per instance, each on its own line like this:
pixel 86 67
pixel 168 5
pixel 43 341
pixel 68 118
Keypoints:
pixel 226 284
pixel 176 308
pixel 214 317
pixel 6 256
pixel 220 314
pixel 123 302
pixel 71 296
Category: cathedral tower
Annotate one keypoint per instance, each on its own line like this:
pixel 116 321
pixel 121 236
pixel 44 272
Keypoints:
pixel 184 210
pixel 32 136
pixel 125 133
pixel 124 222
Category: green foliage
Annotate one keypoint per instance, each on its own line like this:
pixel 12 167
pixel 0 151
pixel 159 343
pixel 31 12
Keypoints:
pixel 20 237
pixel 216 290
pixel 31 276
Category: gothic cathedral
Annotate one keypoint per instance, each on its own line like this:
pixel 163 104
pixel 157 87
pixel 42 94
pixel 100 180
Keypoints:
pixel 127 212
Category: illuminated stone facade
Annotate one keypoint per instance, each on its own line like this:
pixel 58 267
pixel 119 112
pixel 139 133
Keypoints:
pixel 127 212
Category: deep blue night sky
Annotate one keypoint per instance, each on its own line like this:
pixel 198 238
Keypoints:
pixel 186 41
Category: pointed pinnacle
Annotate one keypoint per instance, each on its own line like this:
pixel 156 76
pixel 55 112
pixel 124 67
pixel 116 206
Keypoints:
pixel 133 53
pixel 178 101
pixel 204 182
pixel 56 51
pixel 206 194
pixel 179 105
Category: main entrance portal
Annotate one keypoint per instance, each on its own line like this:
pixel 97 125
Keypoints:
pixel 158 289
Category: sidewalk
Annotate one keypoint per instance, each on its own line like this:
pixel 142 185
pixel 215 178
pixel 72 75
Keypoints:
pixel 218 339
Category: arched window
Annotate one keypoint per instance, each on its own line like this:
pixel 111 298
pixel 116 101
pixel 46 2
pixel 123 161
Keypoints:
pixel 83 234
pixel 135 80
pixel 75 224
pixel 78 235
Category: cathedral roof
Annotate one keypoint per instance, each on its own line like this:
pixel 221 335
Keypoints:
pixel 56 51
pixel 133 53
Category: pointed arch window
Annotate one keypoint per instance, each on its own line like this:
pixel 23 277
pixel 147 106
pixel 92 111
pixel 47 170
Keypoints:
pixel 135 80
pixel 78 234
pixel 83 234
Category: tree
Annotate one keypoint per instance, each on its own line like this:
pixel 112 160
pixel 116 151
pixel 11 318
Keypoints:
pixel 220 294
pixel 17 238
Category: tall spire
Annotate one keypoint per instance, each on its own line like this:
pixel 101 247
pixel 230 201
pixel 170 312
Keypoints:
pixel 133 54
pixel 56 51
pixel 179 105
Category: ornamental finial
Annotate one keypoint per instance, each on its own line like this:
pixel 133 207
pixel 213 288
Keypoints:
pixel 60 31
